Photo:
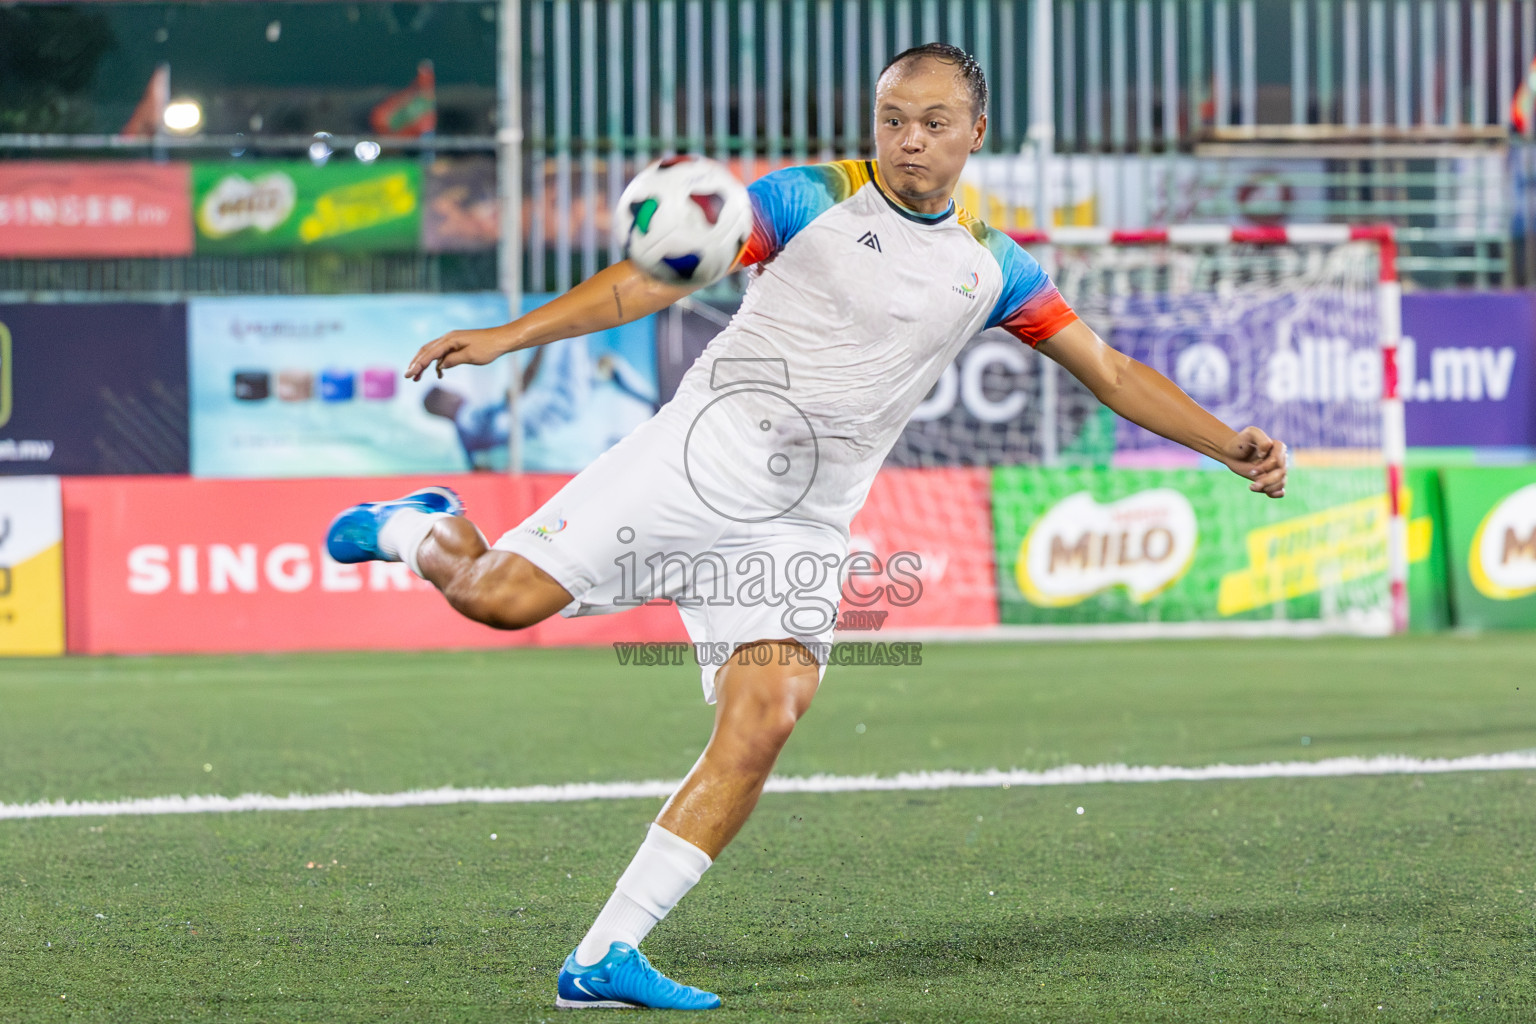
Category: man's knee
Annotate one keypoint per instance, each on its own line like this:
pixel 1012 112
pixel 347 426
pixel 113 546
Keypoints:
pixel 763 703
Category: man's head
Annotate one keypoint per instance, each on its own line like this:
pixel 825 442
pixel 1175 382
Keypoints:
pixel 930 116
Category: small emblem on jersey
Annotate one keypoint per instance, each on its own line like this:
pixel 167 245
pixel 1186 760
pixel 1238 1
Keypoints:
pixel 549 531
pixel 969 289
pixel 872 240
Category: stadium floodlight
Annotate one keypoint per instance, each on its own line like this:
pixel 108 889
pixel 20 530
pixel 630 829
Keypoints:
pixel 367 151
pixel 182 116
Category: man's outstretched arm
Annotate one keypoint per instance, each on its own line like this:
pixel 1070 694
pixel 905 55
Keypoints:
pixel 613 296
pixel 1148 399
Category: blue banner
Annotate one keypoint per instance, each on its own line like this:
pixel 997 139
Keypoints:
pixel 582 395
pixel 1467 369
pixel 313 386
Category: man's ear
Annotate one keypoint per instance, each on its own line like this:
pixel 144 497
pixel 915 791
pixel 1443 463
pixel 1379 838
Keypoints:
pixel 980 134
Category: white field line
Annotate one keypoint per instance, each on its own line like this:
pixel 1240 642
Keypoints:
pixel 1067 775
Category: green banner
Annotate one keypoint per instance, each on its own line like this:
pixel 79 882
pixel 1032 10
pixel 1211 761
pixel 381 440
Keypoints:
pixel 1101 546
pixel 1491 526
pixel 293 205
pixel 1429 601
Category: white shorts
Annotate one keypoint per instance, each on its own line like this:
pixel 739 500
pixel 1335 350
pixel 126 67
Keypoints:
pixel 631 528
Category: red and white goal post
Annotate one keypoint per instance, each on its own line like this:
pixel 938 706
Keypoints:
pixel 1308 318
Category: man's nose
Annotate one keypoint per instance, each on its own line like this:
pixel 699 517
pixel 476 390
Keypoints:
pixel 912 139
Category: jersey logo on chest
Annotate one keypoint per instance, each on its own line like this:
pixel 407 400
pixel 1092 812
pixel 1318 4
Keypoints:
pixel 968 287
pixel 872 240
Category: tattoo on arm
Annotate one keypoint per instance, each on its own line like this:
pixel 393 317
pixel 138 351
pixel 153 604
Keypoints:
pixel 619 305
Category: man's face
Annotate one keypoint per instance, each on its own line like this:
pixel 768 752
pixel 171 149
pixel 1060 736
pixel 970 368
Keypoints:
pixel 924 131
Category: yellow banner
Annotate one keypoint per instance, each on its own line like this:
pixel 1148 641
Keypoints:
pixel 32 605
pixel 31 566
pixel 1302 555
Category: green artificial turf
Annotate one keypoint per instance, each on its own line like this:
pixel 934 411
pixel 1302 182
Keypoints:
pixel 1286 899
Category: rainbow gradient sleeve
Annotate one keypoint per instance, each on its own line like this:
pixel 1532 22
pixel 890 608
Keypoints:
pixel 1030 308
pixel 785 201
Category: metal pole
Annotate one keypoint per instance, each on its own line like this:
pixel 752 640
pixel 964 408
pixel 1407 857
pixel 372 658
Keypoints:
pixel 1299 81
pixel 1248 46
pixel 509 168
pixel 1042 136
pixel 1042 125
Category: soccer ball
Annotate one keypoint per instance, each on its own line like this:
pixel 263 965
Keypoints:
pixel 684 220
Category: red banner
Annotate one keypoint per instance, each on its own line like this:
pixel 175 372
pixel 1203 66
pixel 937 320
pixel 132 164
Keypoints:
pixel 173 565
pixel 929 535
pixel 94 209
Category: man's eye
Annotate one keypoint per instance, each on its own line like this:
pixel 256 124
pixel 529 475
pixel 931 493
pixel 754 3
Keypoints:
pixel 935 125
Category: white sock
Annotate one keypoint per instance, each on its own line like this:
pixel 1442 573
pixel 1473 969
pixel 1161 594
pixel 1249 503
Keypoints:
pixel 663 871
pixel 402 534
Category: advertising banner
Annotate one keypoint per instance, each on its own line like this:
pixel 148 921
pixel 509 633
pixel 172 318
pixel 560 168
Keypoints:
pixel 76 210
pixel 1095 546
pixel 1467 366
pixel 1304 364
pixel 292 205
pixel 93 388
pixel 313 386
pixel 1131 191
pixel 173 565
pixel 927 535
pixel 177 565
pixel 986 410
pixel 581 396
pixel 461 212
pixel 1429 597
pixel 31 566
pixel 1491 521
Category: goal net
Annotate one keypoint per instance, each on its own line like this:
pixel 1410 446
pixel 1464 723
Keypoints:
pixel 1099 523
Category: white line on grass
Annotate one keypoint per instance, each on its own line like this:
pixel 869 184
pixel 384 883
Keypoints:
pixel 1067 775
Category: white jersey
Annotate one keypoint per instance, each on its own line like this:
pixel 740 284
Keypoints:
pixel 856 307
pixel 734 500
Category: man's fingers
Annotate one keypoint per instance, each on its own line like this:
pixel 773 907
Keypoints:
pixel 432 351
pixel 1274 460
pixel 1264 481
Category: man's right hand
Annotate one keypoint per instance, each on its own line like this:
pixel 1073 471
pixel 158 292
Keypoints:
pixel 457 348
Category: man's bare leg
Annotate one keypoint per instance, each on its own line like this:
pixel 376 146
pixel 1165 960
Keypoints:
pixel 498 588
pixel 756 709
pixel 757 706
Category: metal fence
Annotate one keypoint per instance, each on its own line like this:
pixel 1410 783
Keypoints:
pixel 1124 112
pixel 1117 112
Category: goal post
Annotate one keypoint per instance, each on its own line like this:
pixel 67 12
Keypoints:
pixel 1219 244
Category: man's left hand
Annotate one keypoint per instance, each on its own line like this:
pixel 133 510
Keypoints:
pixel 1259 459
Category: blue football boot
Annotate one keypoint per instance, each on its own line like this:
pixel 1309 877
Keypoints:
pixel 354 535
pixel 623 980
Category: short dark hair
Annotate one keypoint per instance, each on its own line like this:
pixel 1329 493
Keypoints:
pixel 969 67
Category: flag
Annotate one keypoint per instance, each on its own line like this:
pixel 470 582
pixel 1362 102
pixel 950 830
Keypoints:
pixel 412 110
pixel 1522 109
pixel 148 117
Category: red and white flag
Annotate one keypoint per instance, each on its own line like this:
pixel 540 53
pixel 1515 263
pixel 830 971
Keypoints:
pixel 412 110
pixel 1522 109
